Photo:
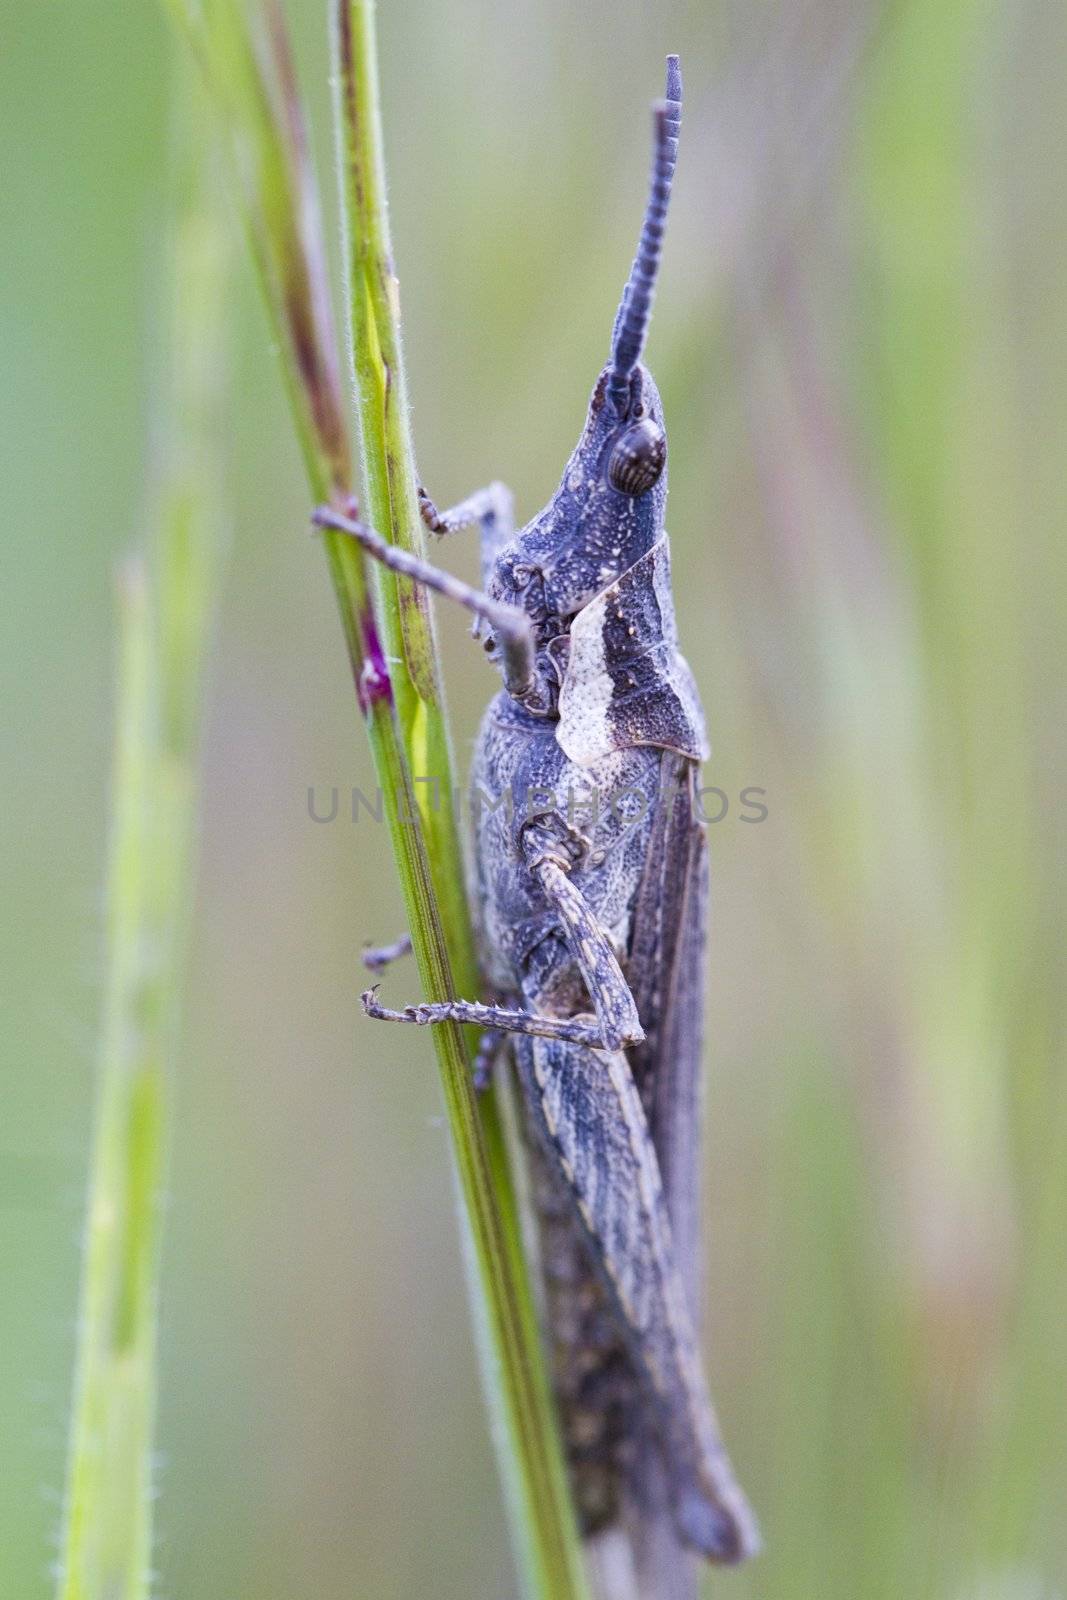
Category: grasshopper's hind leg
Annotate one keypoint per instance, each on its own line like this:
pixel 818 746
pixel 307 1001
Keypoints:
pixel 587 944
pixel 496 1019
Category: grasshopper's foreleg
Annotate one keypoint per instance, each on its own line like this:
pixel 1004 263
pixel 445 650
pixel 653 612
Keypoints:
pixel 491 510
pixel 510 625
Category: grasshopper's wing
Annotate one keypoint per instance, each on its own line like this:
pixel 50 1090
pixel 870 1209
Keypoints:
pixel 586 1106
pixel 666 965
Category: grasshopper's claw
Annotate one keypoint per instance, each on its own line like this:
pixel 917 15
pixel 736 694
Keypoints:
pixel 381 1013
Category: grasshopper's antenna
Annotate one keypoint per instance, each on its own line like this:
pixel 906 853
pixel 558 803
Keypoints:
pixel 631 321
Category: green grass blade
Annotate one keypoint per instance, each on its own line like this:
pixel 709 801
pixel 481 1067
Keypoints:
pixel 107 1534
pixel 528 1448
pixel 165 609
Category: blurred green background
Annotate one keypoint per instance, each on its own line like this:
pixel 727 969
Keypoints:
pixel 862 344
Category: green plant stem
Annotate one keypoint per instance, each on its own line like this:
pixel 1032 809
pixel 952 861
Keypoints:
pixel 530 1455
pixel 165 607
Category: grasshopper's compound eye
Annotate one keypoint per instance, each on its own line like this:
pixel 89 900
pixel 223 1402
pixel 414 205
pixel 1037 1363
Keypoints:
pixel 637 457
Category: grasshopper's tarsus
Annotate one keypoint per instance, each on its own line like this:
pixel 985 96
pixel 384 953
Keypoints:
pixel 490 1045
pixel 491 509
pixel 490 1048
pixel 376 957
pixel 501 1019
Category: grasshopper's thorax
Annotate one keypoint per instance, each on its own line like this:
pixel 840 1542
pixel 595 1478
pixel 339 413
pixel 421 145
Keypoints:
pixel 592 573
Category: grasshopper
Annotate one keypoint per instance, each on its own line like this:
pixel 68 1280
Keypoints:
pixel 592 922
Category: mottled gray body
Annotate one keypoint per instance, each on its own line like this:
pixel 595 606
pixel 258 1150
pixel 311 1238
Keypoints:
pixel 590 869
pixel 614 1136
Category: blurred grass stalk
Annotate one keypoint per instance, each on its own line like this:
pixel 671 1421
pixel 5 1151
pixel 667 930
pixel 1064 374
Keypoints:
pixel 166 601
pixel 393 660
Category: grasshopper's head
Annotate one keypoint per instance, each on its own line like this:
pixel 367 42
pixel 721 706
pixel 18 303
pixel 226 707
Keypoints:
pixel 609 508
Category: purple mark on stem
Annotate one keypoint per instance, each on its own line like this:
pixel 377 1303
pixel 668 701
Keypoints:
pixel 373 683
